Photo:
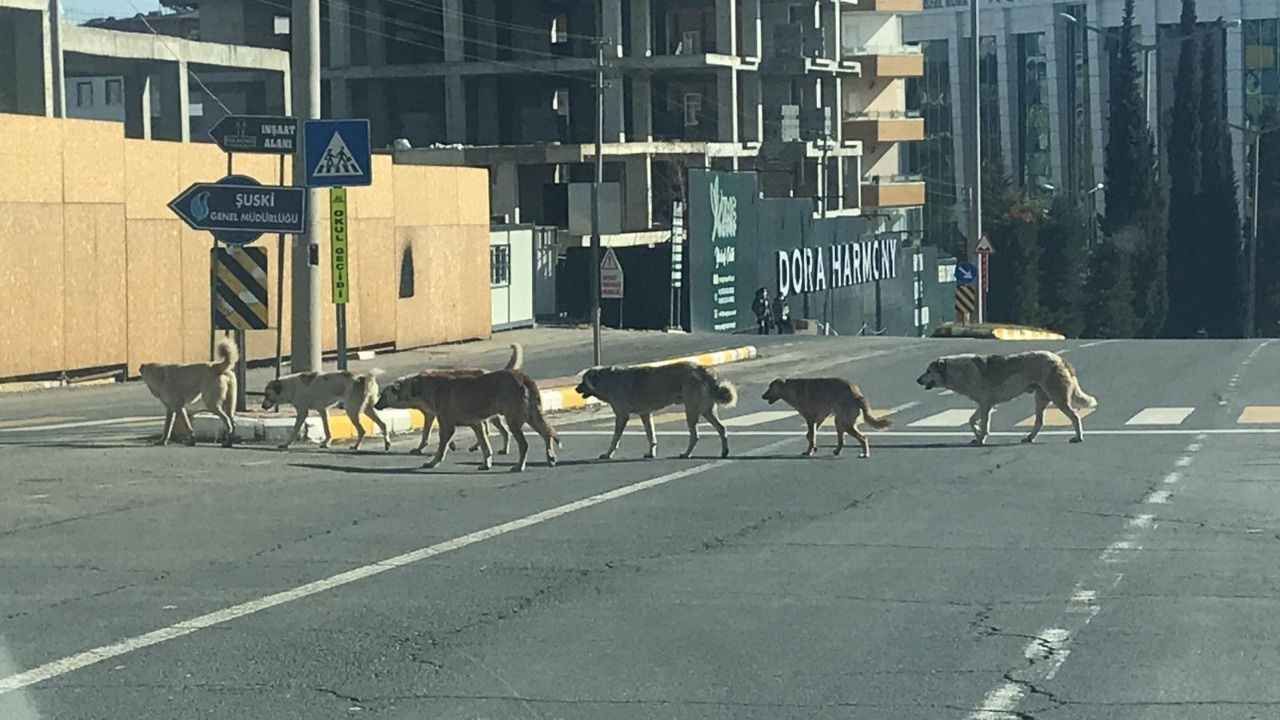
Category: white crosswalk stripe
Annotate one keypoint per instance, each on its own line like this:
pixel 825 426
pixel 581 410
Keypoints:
pixel 1161 416
pixel 757 418
pixel 955 417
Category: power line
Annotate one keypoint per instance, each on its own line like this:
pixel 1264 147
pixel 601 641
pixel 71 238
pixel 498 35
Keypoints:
pixel 515 27
pixel 192 73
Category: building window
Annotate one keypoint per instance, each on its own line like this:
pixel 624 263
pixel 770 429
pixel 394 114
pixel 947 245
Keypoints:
pixel 692 109
pixel 934 158
pixel 1035 129
pixel 280 24
pixel 84 94
pixel 499 266
pixel 560 29
pixel 115 92
pixel 1261 69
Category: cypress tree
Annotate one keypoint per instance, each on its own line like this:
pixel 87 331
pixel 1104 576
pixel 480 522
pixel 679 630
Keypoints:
pixel 1129 158
pixel 1109 289
pixel 1015 265
pixel 1062 268
pixel 1218 286
pixel 1185 308
pixel 1268 289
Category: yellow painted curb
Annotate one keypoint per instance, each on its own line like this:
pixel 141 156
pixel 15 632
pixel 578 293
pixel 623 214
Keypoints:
pixel 1001 333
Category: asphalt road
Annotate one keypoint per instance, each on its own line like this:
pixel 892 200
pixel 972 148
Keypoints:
pixel 1134 576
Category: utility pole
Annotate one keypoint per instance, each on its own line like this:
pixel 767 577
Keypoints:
pixel 58 74
pixel 1251 281
pixel 975 176
pixel 305 350
pixel 594 274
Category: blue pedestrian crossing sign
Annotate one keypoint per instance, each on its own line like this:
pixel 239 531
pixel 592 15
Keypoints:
pixel 337 153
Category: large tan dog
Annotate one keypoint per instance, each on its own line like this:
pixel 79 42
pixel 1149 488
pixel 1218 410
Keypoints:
pixel 992 379
pixel 396 395
pixel 471 400
pixel 177 386
pixel 311 391
pixel 816 399
pixel 645 390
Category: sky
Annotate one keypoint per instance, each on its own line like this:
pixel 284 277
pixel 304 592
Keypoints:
pixel 81 10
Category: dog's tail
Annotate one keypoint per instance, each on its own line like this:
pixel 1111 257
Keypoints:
pixel 227 354
pixel 722 391
pixel 1078 393
pixel 517 357
pixel 879 423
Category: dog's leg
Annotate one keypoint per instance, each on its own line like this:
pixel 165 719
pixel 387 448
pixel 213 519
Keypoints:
pixel 169 418
pixel 185 427
pixel 483 430
pixel 619 424
pixel 691 415
pixel 1042 402
pixel 427 421
pixel 852 428
pixel 977 422
pixel 486 451
pixel 841 424
pixel 522 444
pixel 446 435
pixel 297 427
pixel 328 434
pixel 540 425
pixel 1063 401
pixel 496 421
pixel 372 412
pixel 353 414
pixel 810 434
pixel 647 420
pixel 711 417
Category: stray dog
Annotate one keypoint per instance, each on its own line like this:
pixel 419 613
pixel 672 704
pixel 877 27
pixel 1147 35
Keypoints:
pixel 396 395
pixel 319 391
pixel 816 399
pixel 470 400
pixel 992 379
pixel 177 386
pixel 643 390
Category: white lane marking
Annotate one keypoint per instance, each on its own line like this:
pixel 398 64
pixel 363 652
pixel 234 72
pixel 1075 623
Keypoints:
pixel 85 424
pixel 900 408
pixel 943 433
pixel 1118 551
pixel 1096 344
pixel 1161 416
pixel 999 703
pixel 1193 447
pixel 1172 478
pixel 757 418
pixel 945 393
pixel 1142 521
pixel 75 662
pixel 1183 461
pixel 1158 497
pixel 954 417
pixel 1082 600
pixel 1202 436
pixel 1047 643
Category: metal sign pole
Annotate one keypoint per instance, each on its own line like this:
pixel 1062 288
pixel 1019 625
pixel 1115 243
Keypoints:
pixel 280 286
pixel 341 266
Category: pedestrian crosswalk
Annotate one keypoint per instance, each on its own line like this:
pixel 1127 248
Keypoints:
pixel 917 415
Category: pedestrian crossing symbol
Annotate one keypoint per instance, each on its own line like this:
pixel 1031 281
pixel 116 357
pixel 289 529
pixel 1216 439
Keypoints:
pixel 336 153
pixel 337 161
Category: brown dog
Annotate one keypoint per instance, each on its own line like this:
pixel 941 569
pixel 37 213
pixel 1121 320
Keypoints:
pixel 644 390
pixel 471 400
pixel 816 399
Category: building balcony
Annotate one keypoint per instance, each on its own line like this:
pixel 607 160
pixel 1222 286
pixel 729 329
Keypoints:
pixel 889 63
pixel 886 127
pixel 893 192
pixel 884 6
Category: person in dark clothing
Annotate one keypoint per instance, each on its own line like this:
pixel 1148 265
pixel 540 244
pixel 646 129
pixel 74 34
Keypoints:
pixel 760 306
pixel 782 314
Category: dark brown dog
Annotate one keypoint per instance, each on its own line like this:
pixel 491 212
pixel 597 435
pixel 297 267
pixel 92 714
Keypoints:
pixel 816 399
pixel 644 390
pixel 471 400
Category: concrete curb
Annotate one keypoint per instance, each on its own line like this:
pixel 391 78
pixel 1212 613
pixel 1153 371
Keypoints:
pixel 275 429
pixel 1026 334
pixel 32 386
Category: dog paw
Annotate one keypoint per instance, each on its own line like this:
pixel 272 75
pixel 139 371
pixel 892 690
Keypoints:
pixel 724 453
pixel 1028 440
pixel 486 466
pixel 609 456
pixel 977 443
pixel 552 462
pixel 416 451
pixel 1077 440
pixel 285 446
pixel 685 455
pixel 517 468
pixel 650 455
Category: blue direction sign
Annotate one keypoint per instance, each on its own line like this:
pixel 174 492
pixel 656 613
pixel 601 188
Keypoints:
pixel 966 273
pixel 337 153
pixel 237 209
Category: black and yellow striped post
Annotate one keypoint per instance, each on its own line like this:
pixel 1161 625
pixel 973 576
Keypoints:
pixel 240 289
pixel 966 303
